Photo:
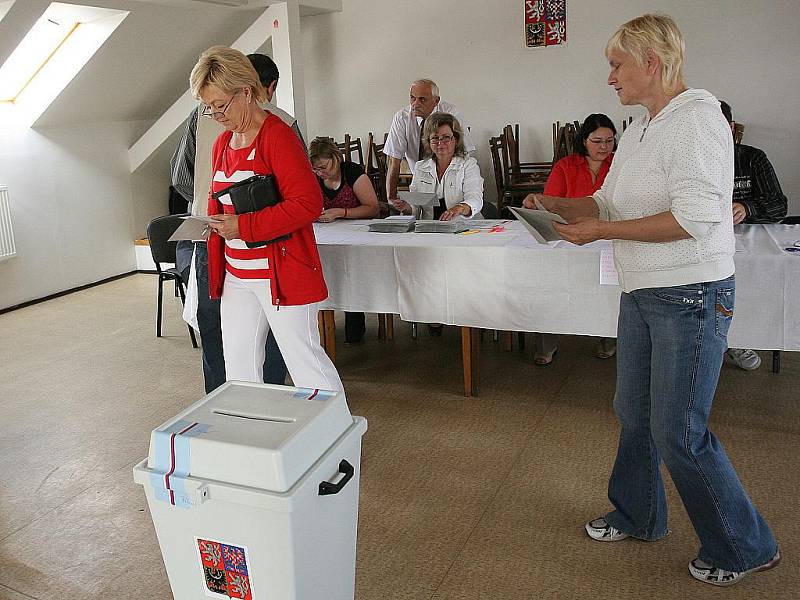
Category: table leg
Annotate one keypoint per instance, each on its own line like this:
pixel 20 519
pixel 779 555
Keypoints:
pixel 508 340
pixel 776 361
pixel 381 327
pixel 389 327
pixel 327 333
pixel 470 349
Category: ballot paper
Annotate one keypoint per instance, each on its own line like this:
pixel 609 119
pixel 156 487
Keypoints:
pixel 195 229
pixel 430 226
pixel 394 224
pixel 419 198
pixel 539 223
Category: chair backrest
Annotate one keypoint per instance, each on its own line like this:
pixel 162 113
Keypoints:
pixel 738 132
pixel 489 211
pixel 349 146
pixel 496 145
pixel 158 232
pixel 511 138
pixel 625 123
pixel 564 137
pixel 376 165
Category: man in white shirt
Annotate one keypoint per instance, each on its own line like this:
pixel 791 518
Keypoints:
pixel 406 128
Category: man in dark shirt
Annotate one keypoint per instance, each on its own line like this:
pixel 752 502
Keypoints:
pixel 757 195
pixel 757 198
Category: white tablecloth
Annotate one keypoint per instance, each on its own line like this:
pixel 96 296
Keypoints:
pixel 507 281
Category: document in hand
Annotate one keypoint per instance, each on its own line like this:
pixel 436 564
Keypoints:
pixel 539 223
pixel 418 198
pixel 195 229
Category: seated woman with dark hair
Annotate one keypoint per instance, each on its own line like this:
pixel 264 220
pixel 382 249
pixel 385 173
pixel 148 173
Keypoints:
pixel 576 176
pixel 347 193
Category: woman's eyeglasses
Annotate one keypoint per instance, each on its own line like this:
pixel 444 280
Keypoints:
pixel 441 139
pixel 599 142
pixel 212 114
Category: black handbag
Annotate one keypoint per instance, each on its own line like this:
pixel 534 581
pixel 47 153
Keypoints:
pixel 251 195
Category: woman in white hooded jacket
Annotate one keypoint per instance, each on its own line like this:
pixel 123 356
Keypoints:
pixel 448 172
pixel 666 203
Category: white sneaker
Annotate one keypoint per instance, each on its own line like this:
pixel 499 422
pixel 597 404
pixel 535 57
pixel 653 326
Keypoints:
pixel 744 358
pixel 600 530
pixel 710 574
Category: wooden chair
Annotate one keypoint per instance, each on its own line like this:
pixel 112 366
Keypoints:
pixel 625 123
pixel 507 192
pixel 522 172
pixel 738 132
pixel 350 146
pixel 375 168
pixel 564 137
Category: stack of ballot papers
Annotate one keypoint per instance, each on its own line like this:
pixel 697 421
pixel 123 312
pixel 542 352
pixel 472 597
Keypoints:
pixel 395 224
pixel 454 226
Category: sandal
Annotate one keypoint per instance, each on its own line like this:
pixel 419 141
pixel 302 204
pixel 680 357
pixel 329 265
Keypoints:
pixel 544 358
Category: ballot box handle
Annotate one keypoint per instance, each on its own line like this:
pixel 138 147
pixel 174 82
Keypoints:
pixel 327 488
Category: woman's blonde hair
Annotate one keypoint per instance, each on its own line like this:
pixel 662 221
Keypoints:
pixel 324 147
pixel 658 33
pixel 432 123
pixel 227 69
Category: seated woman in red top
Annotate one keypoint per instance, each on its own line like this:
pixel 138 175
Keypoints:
pixel 276 286
pixel 576 176
pixel 347 193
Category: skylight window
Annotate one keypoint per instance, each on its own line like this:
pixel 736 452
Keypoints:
pixel 5 6
pixel 33 52
pixel 56 48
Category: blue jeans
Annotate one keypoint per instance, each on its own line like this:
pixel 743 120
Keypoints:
pixel 671 343
pixel 211 331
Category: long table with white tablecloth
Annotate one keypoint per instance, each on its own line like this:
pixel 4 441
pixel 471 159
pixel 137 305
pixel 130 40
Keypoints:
pixel 507 281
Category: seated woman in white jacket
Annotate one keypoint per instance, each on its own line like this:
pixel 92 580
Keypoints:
pixel 447 171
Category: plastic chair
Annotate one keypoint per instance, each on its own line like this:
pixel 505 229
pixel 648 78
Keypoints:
pixel 158 232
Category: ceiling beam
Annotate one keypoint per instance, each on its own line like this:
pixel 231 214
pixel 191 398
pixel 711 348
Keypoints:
pixel 281 22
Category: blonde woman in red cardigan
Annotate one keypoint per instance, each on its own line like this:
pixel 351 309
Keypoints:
pixel 276 286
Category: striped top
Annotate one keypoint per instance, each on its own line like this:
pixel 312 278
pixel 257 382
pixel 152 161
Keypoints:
pixel 240 261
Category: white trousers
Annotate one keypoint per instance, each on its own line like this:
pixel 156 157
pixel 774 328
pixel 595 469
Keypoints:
pixel 247 315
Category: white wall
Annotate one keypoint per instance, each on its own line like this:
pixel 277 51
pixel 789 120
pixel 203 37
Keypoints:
pixel 359 63
pixel 73 206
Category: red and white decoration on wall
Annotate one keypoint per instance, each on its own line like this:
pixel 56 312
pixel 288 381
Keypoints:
pixel 545 23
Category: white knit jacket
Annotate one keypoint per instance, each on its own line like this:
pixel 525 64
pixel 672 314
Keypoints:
pixel 680 161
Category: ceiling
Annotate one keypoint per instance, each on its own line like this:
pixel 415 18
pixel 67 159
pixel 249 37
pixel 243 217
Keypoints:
pixel 144 66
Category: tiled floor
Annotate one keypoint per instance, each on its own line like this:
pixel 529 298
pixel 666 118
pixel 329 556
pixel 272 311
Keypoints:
pixel 461 498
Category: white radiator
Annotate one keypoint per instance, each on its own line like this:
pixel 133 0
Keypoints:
pixel 7 247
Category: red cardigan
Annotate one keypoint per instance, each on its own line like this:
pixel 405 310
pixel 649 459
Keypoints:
pixel 571 178
pixel 295 269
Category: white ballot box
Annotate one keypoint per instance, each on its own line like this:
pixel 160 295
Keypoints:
pixel 253 492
